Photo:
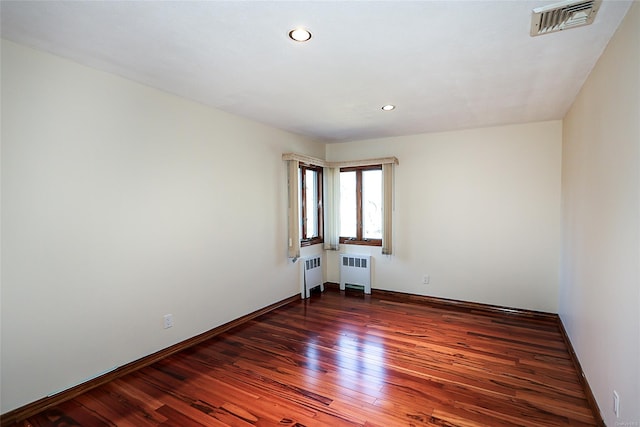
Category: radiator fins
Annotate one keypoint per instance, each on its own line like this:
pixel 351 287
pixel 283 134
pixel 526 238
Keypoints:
pixel 312 275
pixel 355 270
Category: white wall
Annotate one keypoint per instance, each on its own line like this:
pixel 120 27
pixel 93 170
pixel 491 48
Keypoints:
pixel 118 207
pixel 121 203
pixel 477 210
pixel 600 285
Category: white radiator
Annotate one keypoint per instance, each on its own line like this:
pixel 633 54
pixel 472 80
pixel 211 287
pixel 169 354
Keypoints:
pixel 355 270
pixel 312 275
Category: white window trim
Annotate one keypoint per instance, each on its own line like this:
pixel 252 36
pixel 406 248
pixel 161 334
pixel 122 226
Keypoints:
pixel 301 158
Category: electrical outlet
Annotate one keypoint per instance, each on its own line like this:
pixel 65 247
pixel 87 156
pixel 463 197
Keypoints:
pixel 616 404
pixel 167 320
pixel 425 279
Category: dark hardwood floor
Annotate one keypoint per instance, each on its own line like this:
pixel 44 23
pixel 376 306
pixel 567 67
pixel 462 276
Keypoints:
pixel 348 360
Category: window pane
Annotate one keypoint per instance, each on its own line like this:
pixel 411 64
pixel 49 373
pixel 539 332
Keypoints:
pixel 348 207
pixel 311 191
pixel 300 201
pixel 372 204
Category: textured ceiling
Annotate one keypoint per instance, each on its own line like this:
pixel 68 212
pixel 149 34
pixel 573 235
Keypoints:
pixel 446 64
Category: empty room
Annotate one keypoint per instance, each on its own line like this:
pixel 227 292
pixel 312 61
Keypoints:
pixel 320 213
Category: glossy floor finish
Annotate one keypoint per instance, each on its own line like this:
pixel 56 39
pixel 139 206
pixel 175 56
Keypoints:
pixel 350 360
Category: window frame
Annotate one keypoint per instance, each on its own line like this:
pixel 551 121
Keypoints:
pixel 303 167
pixel 358 239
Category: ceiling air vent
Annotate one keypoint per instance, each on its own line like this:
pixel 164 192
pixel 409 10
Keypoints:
pixel 563 15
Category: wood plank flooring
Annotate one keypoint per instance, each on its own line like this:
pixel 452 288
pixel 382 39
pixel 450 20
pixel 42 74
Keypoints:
pixel 350 360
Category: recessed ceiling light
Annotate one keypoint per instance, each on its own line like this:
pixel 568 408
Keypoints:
pixel 300 35
pixel 388 107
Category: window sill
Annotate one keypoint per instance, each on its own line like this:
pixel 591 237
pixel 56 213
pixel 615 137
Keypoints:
pixel 311 242
pixel 370 242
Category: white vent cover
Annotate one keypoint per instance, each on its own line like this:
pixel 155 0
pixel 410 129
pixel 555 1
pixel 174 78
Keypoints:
pixel 563 15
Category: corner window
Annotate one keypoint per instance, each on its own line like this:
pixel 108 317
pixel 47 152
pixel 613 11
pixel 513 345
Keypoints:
pixel 361 205
pixel 310 195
